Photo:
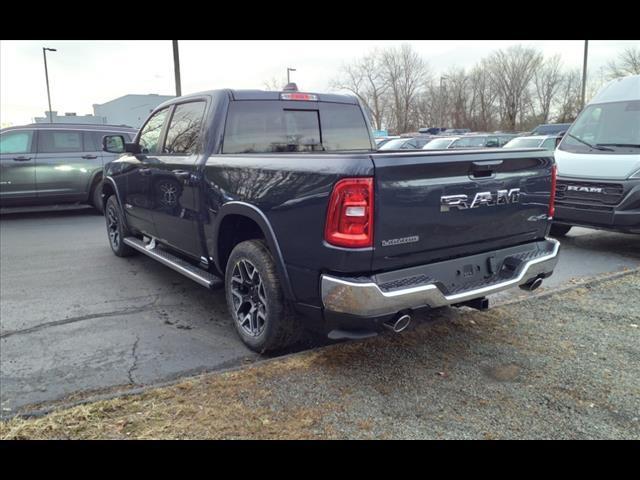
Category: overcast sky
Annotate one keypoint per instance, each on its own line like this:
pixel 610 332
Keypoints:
pixel 82 73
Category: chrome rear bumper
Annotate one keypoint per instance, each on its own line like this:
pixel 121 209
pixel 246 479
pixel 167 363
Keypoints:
pixel 367 299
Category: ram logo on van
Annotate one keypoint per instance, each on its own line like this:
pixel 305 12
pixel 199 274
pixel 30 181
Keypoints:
pixel 577 188
pixel 489 199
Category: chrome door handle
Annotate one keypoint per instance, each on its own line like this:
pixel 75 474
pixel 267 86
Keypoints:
pixel 21 159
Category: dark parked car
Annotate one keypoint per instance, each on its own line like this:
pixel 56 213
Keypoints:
pixel 431 131
pixel 54 163
pixel 551 129
pixel 282 198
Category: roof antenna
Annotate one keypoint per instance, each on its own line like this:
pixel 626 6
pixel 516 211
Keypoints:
pixel 290 87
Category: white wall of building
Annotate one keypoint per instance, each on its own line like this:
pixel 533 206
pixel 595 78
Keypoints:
pixel 130 110
pixel 70 118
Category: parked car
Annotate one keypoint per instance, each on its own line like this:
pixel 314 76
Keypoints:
pixel 440 143
pixel 406 143
pixel 455 131
pixel 550 129
pixel 54 163
pixel 481 141
pixel 383 140
pixel 272 195
pixel 431 131
pixel 599 163
pixel 538 141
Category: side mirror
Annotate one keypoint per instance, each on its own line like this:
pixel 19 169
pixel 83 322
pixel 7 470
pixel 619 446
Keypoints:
pixel 116 144
pixel 113 143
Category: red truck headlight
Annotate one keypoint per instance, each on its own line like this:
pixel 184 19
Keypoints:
pixel 350 214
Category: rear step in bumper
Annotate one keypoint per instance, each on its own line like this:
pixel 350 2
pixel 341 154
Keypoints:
pixel 366 299
pixel 174 262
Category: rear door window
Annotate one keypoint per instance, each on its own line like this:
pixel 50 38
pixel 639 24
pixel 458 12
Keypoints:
pixel 289 126
pixel 183 135
pixel 60 141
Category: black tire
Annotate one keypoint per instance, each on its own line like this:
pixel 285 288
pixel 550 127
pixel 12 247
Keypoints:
pixel 96 197
pixel 558 230
pixel 116 230
pixel 263 318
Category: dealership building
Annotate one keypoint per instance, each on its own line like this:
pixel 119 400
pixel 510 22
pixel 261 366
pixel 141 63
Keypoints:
pixel 131 110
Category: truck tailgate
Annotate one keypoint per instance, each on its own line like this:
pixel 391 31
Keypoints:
pixel 437 205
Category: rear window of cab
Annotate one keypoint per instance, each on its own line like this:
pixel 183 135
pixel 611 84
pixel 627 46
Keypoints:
pixel 293 126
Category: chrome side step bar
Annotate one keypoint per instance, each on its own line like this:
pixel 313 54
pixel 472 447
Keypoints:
pixel 196 274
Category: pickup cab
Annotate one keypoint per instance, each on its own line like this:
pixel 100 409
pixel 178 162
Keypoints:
pixel 282 199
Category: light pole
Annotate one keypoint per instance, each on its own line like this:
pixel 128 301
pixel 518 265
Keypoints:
pixel 46 74
pixel 584 73
pixel 176 67
pixel 289 70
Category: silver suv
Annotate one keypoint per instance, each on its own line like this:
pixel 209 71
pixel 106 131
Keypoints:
pixel 53 163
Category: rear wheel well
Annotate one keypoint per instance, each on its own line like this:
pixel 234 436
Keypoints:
pixel 94 183
pixel 233 230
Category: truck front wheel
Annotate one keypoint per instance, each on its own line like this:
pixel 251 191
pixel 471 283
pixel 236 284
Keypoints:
pixel 116 229
pixel 262 316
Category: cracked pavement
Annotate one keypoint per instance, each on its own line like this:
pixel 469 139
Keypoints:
pixel 74 318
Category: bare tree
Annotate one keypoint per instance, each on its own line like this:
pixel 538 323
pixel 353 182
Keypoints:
pixel 547 81
pixel 274 84
pixel 365 79
pixel 484 97
pixel 511 71
pixel 570 96
pixel 628 63
pixel 405 73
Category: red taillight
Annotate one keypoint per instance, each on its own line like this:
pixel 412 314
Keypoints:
pixel 350 213
pixel 552 198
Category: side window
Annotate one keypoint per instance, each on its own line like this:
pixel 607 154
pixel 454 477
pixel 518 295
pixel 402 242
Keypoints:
pixel 549 144
pixel 18 141
pixel 492 142
pixel 184 129
pixel 92 141
pixel 61 141
pixel 150 134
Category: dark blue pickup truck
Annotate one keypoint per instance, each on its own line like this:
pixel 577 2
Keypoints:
pixel 281 198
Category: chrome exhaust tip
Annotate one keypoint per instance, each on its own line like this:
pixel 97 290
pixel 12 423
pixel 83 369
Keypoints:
pixel 399 324
pixel 533 285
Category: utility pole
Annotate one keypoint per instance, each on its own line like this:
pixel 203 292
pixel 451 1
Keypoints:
pixel 46 74
pixel 289 70
pixel 176 67
pixel 584 74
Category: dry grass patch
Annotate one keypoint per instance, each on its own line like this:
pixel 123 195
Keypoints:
pixel 218 406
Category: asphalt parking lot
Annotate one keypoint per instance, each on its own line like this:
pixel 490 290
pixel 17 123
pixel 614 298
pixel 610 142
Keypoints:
pixel 75 318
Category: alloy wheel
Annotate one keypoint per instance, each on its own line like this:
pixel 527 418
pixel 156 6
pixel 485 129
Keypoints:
pixel 113 228
pixel 249 298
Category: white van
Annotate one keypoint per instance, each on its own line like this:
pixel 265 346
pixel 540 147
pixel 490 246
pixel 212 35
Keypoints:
pixel 598 161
